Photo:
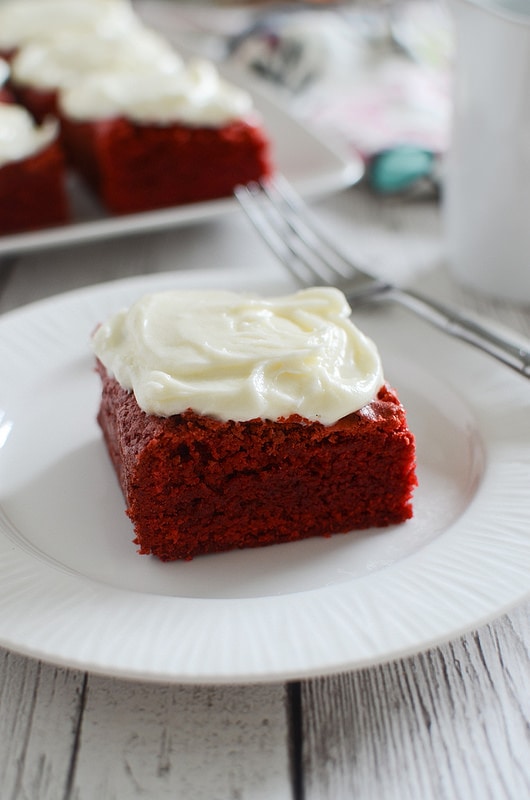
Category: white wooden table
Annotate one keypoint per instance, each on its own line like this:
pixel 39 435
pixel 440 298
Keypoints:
pixel 445 724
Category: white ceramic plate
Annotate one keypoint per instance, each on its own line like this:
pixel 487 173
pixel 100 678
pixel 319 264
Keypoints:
pixel 310 164
pixel 73 590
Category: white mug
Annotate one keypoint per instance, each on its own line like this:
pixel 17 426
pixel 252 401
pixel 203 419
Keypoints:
pixel 487 181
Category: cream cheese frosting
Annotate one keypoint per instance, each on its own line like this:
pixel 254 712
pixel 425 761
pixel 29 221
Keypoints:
pixel 65 58
pixel 24 20
pixel 239 357
pixel 19 136
pixel 195 95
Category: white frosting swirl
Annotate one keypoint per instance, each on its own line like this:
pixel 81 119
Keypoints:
pixel 24 20
pixel 19 136
pixel 62 60
pixel 238 357
pixel 195 95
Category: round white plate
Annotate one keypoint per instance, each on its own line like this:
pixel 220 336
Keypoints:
pixel 74 591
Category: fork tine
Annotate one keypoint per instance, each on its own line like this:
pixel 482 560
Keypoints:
pixel 285 223
pixel 265 213
pixel 249 198
pixel 328 264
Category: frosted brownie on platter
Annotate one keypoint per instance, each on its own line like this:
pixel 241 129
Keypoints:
pixel 150 140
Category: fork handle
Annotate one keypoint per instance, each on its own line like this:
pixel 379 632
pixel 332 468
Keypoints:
pixel 464 327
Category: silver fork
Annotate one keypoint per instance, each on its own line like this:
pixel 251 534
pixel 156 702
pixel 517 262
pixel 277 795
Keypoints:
pixel 285 223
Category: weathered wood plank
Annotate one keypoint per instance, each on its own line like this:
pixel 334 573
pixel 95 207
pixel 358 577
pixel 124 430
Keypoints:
pixel 40 709
pixel 216 743
pixel 450 724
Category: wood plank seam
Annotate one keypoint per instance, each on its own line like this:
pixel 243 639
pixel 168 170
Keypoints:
pixel 295 738
pixel 77 737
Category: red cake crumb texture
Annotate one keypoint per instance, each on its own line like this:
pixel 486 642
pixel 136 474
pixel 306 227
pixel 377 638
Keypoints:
pixel 196 485
pixel 136 167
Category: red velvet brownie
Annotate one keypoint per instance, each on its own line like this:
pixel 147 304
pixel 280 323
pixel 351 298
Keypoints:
pixel 196 484
pixel 32 176
pixel 171 140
